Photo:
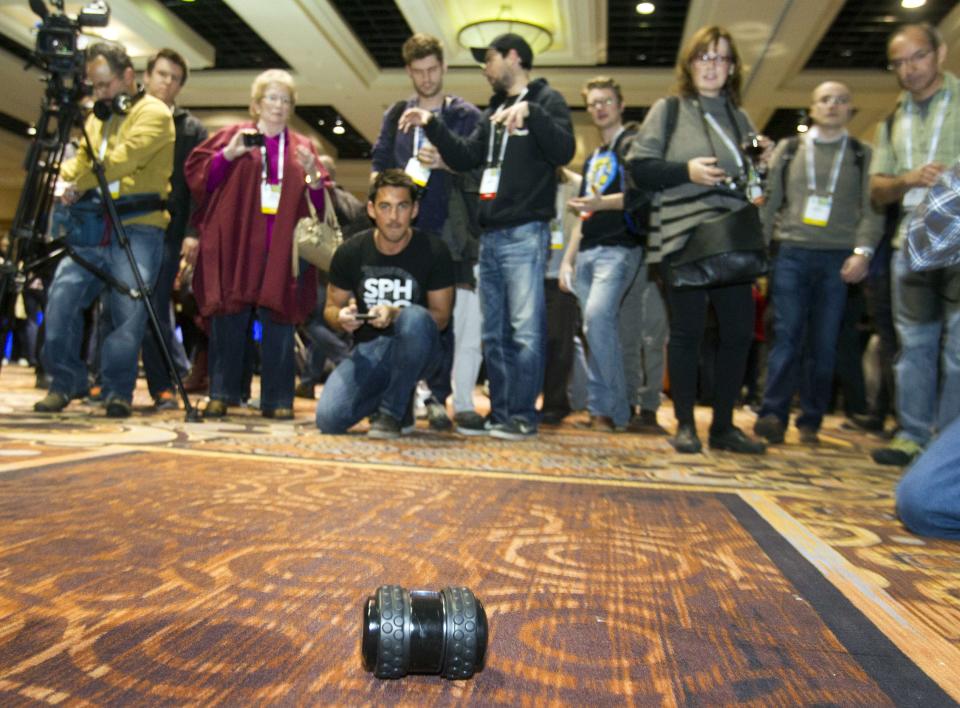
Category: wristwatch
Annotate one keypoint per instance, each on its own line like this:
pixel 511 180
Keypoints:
pixel 864 251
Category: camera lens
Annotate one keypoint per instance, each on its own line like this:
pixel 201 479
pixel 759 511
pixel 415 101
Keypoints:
pixel 423 632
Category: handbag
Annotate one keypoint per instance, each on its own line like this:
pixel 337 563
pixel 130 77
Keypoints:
pixel 316 240
pixel 726 250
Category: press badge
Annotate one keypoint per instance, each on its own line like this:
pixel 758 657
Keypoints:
pixel 114 188
pixel 556 235
pixel 417 172
pixel 816 212
pixel 489 183
pixel 913 198
pixel 269 198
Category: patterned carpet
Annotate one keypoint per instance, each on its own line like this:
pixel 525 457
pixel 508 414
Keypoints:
pixel 153 561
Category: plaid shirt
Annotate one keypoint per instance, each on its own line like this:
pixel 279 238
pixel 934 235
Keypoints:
pixel 933 234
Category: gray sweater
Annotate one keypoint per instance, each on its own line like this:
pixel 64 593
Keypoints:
pixel 852 222
pixel 678 208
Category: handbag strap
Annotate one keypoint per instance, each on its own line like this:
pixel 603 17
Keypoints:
pixel 744 160
pixel 329 213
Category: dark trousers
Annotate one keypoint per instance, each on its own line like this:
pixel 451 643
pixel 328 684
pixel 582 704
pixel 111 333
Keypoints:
pixel 440 383
pixel 880 310
pixel 733 305
pixel 154 365
pixel 563 323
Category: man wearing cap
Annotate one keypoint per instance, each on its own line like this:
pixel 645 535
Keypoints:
pixel 520 140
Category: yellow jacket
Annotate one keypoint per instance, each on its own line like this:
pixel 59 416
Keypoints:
pixel 139 154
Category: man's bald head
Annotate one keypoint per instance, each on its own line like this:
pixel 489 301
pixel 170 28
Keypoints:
pixel 831 105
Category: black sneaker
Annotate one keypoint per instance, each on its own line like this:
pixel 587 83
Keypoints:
pixel 645 423
pixel 769 427
pixel 437 415
pixel 733 440
pixel 899 453
pixel 808 436
pixel 53 402
pixel 384 427
pixel 305 389
pixel 553 416
pixel 686 440
pixel 470 423
pixel 118 408
pixel 514 429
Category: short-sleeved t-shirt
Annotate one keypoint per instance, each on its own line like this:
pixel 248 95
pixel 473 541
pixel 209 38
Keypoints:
pixel 375 278
pixel 602 173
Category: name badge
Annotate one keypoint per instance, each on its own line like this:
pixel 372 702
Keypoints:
pixel 489 183
pixel 816 212
pixel 913 198
pixel 556 236
pixel 269 198
pixel 417 172
pixel 114 189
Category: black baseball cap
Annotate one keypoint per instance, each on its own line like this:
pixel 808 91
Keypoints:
pixel 503 44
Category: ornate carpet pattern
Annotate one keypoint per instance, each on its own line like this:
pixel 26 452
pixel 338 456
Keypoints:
pixel 153 561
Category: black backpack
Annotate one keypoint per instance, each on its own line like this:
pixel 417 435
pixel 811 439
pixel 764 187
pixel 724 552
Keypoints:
pixel 790 152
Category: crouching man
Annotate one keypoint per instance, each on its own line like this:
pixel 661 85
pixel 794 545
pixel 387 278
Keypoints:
pixel 392 288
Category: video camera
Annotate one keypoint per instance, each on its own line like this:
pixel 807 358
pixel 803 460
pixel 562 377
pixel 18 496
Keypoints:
pixel 57 49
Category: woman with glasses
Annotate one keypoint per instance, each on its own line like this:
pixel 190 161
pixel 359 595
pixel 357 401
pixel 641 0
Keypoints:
pixel 688 151
pixel 249 182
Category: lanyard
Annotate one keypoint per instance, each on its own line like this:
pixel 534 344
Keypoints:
pixel 506 135
pixel 103 142
pixel 263 157
pixel 937 129
pixel 834 171
pixel 734 150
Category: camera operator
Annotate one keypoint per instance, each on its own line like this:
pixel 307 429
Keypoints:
pixel 135 144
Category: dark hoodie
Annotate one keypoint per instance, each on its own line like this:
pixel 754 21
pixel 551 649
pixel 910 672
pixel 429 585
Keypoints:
pixel 528 183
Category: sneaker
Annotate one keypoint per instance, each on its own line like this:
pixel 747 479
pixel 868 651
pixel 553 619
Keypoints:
pixel 686 440
pixel 305 389
pixel 278 413
pixel 470 423
pixel 769 427
pixel 437 415
pixel 165 401
pixel 514 429
pixel 645 423
pixel 808 436
pixel 599 423
pixel 118 408
pixel 865 421
pixel 899 453
pixel 733 440
pixel 94 395
pixel 215 409
pixel 53 402
pixel 384 427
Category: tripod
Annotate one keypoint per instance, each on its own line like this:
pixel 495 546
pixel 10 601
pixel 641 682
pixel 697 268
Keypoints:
pixel 27 252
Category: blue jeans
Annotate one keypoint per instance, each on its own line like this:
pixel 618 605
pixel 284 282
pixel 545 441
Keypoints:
pixel 154 365
pixel 71 292
pixel 928 496
pixel 229 343
pixel 380 375
pixel 603 275
pixel 808 304
pixel 512 266
pixel 926 309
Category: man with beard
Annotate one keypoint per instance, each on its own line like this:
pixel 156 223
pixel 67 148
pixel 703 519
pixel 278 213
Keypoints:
pixel 448 209
pixel 522 138
pixel 914 148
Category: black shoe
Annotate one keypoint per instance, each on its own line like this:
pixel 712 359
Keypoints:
pixel 769 427
pixel 514 429
pixel 470 423
pixel 118 408
pixel 53 402
pixel 809 436
pixel 384 427
pixel 867 421
pixel 278 413
pixel 305 389
pixel 645 423
pixel 733 440
pixel 899 453
pixel 437 415
pixel 686 440
pixel 553 416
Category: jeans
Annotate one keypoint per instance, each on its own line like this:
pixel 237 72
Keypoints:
pixel 72 291
pixel 643 335
pixel 602 277
pixel 154 365
pixel 467 350
pixel 512 266
pixel 380 375
pixel 229 347
pixel 926 308
pixel 928 496
pixel 808 299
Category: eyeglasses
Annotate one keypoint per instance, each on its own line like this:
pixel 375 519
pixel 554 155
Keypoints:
pixel 277 99
pixel 834 100
pixel 912 60
pixel 601 103
pixel 707 58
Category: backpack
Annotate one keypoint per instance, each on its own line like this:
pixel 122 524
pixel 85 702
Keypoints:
pixel 790 152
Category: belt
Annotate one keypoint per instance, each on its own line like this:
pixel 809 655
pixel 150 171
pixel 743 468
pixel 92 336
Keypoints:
pixel 132 204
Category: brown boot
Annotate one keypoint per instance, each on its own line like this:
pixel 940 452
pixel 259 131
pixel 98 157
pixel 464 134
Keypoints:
pixel 196 381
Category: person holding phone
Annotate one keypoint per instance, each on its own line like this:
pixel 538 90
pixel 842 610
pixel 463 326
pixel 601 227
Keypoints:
pixel 392 288
pixel 249 181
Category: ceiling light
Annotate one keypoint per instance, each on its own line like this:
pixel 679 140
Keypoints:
pixel 482 32
pixel 912 4
pixel 338 128
pixel 646 8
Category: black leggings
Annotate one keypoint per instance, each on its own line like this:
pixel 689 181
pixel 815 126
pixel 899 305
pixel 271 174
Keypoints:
pixel 733 305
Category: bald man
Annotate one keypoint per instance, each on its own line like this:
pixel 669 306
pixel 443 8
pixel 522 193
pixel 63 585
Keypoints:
pixel 818 210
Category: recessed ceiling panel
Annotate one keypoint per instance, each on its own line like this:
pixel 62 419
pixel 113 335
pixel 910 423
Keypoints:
pixel 380 27
pixel 645 40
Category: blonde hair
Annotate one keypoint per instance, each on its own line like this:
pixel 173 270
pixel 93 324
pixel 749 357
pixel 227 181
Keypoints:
pixel 271 76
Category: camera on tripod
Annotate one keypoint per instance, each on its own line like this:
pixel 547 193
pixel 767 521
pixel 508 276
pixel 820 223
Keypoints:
pixel 57 46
